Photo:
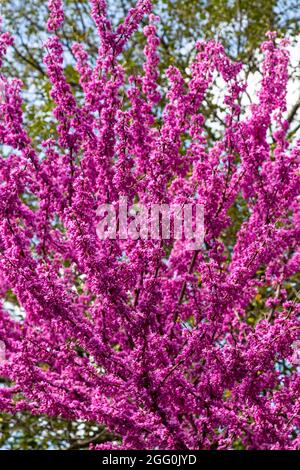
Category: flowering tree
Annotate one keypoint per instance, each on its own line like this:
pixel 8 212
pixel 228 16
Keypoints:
pixel 239 25
pixel 146 336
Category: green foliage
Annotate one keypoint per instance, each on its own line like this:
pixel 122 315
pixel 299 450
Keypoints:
pixel 27 432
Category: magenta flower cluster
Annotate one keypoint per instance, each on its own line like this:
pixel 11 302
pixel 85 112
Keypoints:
pixel 144 336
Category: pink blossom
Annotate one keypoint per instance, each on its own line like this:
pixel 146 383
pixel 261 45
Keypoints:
pixel 146 337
